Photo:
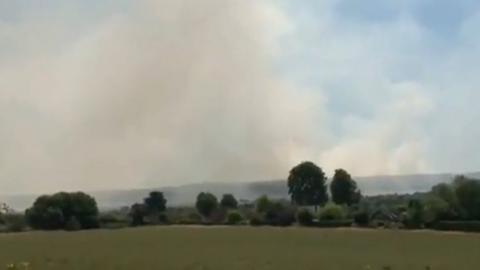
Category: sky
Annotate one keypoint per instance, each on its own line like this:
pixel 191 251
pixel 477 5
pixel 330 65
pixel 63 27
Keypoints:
pixel 127 94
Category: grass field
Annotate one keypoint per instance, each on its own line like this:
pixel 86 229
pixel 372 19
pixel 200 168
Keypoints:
pixel 242 248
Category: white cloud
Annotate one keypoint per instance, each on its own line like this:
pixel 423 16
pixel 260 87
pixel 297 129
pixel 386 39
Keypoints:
pixel 401 97
pixel 391 142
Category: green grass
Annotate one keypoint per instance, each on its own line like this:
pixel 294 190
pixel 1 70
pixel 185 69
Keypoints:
pixel 242 248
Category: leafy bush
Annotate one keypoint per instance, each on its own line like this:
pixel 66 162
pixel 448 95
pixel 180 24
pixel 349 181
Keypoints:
pixel 361 218
pixel 107 218
pixel 183 215
pixel 114 220
pixel 191 219
pixel 156 218
pixel 49 218
pixel 279 215
pixel 15 222
pixel 436 209
pixel 305 217
pixel 137 214
pixel 234 218
pixel 115 226
pixel 53 212
pixel 332 212
pixel 218 216
pixel 163 218
pixel 274 213
pixel 263 204
pixel 415 217
pixel 333 223
pixel 466 226
pixel 257 220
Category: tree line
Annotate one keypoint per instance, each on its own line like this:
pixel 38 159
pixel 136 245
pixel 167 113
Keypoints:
pixel 313 202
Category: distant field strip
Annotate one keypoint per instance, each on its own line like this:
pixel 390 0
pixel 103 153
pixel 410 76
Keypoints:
pixel 242 248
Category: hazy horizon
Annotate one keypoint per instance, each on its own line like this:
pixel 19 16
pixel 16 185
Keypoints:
pixel 101 95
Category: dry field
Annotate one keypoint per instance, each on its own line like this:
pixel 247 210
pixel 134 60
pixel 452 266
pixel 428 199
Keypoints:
pixel 241 248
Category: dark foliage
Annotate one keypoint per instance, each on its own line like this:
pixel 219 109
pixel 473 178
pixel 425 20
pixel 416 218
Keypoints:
pixel 415 216
pixel 263 204
pixel 305 217
pixel 332 212
pixel 466 226
pixel 468 195
pixel 138 212
pixel 155 202
pixel 333 223
pixel 14 222
pixel 307 184
pixel 344 189
pixel 257 220
pixel 54 211
pixel 115 219
pixel 229 201
pixel 151 211
pixel 278 213
pixel 234 218
pixel 206 204
pixel 361 218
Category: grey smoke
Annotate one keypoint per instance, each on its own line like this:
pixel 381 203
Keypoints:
pixel 170 92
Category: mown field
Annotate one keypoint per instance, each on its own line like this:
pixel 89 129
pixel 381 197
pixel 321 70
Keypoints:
pixel 219 248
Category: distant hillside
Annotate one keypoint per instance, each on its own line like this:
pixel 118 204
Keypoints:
pixel 186 194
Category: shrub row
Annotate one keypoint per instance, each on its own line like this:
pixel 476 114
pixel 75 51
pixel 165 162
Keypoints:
pixel 466 226
pixel 333 223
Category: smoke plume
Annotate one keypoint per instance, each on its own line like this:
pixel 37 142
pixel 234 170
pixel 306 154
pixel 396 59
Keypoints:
pixel 170 92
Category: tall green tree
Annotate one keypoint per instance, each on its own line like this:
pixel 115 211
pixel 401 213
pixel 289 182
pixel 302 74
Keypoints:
pixel 206 204
pixel 307 184
pixel 468 195
pixel 344 189
pixel 155 202
pixel 229 201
